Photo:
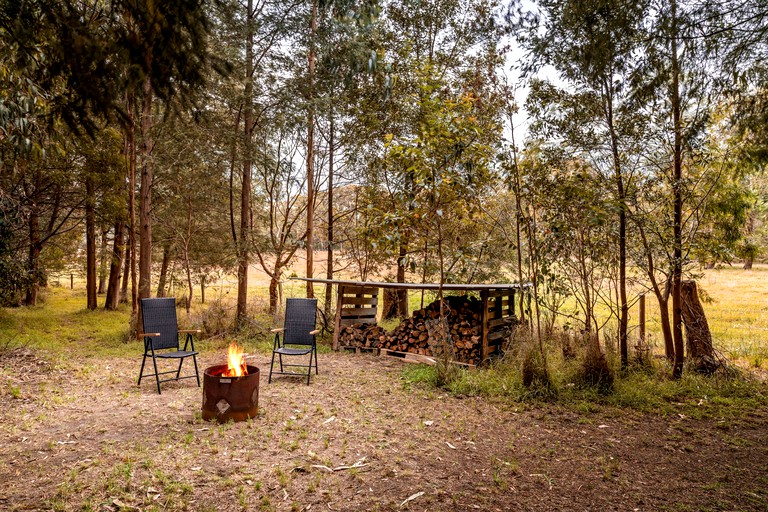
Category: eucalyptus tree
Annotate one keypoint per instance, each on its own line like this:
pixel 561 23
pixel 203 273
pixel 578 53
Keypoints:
pixel 428 43
pixel 678 88
pixel 594 47
pixel 254 37
pixel 280 204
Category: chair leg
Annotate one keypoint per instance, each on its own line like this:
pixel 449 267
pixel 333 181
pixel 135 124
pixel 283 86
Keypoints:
pixel 197 374
pixel 141 372
pixel 309 368
pixel 271 365
pixel 157 377
pixel 178 371
pixel 314 349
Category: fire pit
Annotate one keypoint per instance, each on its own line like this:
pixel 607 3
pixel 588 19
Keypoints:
pixel 231 391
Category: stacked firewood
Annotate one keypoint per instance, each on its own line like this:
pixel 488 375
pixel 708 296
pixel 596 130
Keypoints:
pixel 361 336
pixel 464 315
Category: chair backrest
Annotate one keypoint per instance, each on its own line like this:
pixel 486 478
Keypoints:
pixel 300 316
pixel 159 315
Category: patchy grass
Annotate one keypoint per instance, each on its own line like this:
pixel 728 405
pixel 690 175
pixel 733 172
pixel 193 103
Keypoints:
pixel 649 389
pixel 369 433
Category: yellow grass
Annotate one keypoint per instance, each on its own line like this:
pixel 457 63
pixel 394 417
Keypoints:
pixel 737 312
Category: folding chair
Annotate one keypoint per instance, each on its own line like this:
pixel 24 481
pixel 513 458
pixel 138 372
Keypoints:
pixel 298 337
pixel 161 339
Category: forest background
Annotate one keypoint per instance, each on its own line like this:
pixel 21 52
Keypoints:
pixel 156 150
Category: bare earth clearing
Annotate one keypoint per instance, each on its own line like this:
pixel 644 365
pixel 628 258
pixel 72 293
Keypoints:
pixel 86 438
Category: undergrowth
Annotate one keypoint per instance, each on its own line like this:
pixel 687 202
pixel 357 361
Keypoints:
pixel 642 387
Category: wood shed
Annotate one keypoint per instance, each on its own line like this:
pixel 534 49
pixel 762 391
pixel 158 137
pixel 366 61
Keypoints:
pixel 357 303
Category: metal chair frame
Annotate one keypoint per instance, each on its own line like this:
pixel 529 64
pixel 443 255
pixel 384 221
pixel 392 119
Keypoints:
pixel 162 333
pixel 298 338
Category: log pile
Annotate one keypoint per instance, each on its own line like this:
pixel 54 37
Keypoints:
pixel 464 315
pixel 361 336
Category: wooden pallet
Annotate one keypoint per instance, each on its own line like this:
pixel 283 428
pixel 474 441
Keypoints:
pixel 358 350
pixel 410 357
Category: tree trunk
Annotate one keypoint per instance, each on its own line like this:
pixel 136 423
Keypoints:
pixel 677 187
pixel 402 295
pixel 90 244
pixel 310 155
pixel 748 264
pixel 113 285
pixel 131 259
pixel 697 333
pixel 164 270
pixel 390 308
pixel 145 199
pixel 187 264
pixel 103 261
pixel 245 195
pixel 329 258
pixel 33 224
pixel 274 284
pixel 202 289
pixel 127 272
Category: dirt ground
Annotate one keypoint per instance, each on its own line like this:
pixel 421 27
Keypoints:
pixel 358 438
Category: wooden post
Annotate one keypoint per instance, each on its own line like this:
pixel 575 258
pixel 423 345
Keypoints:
pixel 641 343
pixel 337 322
pixel 484 331
pixel 71 281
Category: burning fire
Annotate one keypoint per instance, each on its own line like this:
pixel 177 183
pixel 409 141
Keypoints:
pixel 235 362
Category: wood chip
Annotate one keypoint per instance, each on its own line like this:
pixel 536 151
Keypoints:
pixel 411 498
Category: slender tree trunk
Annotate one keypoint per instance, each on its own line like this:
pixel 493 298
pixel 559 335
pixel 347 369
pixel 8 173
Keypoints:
pixel 518 214
pixel 677 185
pixel 113 285
pixel 33 225
pixel 131 260
pixel 187 264
pixel 622 200
pixel 90 244
pixel 162 278
pixel 310 154
pixel 402 295
pixel 329 258
pixel 145 198
pixel 202 289
pixel 103 250
pixel 126 272
pixel 245 194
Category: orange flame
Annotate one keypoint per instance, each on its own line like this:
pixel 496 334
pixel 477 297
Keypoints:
pixel 235 362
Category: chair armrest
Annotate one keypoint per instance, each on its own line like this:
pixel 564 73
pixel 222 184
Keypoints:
pixel 150 335
pixel 190 331
pixel 316 331
pixel 277 330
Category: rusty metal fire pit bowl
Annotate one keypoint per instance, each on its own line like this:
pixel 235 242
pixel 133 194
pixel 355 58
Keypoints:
pixel 230 398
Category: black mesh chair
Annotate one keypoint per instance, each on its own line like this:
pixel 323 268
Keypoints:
pixel 161 339
pixel 298 337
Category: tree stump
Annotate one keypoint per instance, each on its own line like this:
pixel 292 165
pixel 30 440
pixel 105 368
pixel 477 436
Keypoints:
pixel 698 337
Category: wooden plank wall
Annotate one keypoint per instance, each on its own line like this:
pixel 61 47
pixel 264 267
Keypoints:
pixel 498 316
pixel 354 305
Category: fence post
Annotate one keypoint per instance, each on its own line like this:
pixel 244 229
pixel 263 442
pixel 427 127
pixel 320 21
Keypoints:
pixel 642 321
pixel 71 281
